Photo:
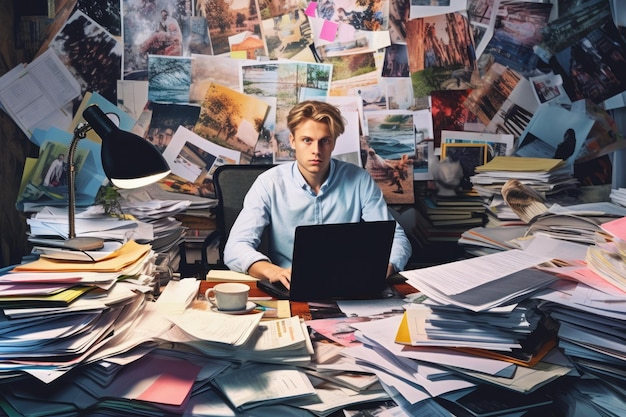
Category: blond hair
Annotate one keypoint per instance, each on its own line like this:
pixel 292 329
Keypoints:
pixel 318 111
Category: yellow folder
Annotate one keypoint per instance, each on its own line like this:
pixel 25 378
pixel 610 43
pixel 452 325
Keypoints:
pixel 126 255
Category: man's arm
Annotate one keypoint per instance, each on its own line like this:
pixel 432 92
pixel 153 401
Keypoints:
pixel 241 249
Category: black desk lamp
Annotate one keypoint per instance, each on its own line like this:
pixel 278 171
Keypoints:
pixel 129 161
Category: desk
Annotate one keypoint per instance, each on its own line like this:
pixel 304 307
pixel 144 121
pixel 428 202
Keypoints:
pixel 298 308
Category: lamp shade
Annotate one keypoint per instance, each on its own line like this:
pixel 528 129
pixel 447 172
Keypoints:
pixel 129 161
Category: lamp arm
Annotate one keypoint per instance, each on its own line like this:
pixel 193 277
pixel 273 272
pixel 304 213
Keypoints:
pixel 80 132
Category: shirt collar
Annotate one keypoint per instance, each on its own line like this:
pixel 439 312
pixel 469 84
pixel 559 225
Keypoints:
pixel 297 176
pixel 331 174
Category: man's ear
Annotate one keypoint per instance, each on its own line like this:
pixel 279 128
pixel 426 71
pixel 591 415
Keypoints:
pixel 292 141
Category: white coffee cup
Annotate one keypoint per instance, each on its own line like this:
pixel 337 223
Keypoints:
pixel 228 296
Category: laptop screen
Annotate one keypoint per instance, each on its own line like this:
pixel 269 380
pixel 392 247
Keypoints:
pixel 339 261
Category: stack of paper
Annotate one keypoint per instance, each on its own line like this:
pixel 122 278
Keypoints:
pixel 618 196
pixel 491 239
pixel 608 257
pixel 420 372
pixel 592 325
pixel 138 383
pixel 545 176
pixel 158 208
pixel 576 223
pixel 414 381
pixel 49 226
pixel 242 337
pixel 178 295
pixel 592 313
pixel 257 384
pixel 484 283
pixel 129 259
pixel 482 306
pixel 500 214
pixel 59 314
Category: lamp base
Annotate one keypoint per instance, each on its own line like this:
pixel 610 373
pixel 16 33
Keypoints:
pixel 84 243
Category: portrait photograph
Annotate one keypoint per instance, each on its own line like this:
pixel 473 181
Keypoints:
pixel 156 27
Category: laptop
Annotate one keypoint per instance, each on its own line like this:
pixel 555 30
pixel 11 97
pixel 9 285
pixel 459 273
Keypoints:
pixel 338 261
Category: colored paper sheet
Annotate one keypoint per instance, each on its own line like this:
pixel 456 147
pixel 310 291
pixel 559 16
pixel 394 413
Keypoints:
pixel 329 31
pixel 311 8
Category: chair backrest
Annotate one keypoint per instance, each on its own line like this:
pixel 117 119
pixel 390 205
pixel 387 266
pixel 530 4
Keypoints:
pixel 232 183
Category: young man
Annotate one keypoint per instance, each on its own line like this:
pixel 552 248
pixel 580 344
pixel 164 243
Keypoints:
pixel 314 189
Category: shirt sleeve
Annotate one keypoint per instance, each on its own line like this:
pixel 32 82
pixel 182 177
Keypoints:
pixel 240 251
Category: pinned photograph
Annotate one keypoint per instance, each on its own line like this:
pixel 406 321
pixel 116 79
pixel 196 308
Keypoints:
pixel 555 132
pixel 153 27
pixel 470 155
pixel 91 54
pixel 193 159
pixel 390 153
pixel 169 79
pixel 231 119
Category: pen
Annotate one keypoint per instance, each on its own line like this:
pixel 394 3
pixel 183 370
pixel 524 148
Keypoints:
pixel 260 298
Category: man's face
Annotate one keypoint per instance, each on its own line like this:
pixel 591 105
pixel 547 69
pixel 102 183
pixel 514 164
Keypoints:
pixel 313 145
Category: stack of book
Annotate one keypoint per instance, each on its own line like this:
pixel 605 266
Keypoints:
pixel 461 210
pixel 446 218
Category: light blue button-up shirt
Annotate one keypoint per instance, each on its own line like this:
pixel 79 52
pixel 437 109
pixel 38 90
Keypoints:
pixel 281 199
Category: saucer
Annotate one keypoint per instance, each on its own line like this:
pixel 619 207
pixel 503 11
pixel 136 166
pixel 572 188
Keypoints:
pixel 249 307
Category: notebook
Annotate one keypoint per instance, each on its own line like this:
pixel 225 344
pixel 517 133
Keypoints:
pixel 338 261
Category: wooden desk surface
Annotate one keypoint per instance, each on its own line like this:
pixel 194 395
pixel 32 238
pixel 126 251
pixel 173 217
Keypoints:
pixel 298 308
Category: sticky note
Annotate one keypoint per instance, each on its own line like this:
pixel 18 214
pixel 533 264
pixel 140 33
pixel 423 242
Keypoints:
pixel 329 31
pixel 311 8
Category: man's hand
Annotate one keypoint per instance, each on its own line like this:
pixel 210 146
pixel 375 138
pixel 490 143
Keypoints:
pixel 283 275
pixel 264 269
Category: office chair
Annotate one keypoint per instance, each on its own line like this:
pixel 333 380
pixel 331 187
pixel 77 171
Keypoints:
pixel 232 183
